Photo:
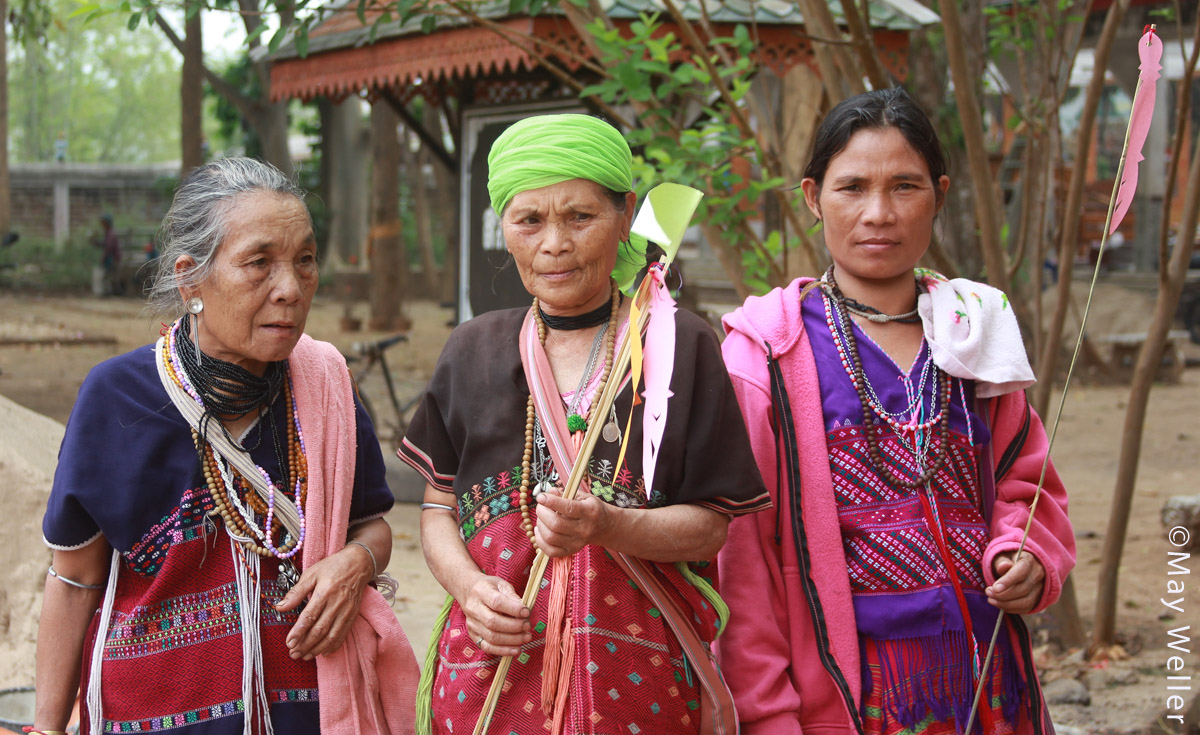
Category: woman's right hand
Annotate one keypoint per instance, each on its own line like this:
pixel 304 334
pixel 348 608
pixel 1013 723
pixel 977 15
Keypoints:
pixel 497 621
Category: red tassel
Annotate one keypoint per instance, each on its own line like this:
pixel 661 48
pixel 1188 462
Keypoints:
pixel 564 679
pixel 556 617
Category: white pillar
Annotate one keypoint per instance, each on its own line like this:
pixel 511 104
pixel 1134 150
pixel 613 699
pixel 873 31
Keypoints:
pixel 62 212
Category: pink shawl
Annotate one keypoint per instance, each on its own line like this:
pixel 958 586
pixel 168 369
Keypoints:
pixel 369 685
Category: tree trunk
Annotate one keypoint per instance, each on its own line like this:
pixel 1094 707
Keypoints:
pixel 268 119
pixel 981 177
pixel 271 124
pixel 386 241
pixel 447 203
pixel 191 97
pixel 5 188
pixel 1047 363
pixel 864 44
pixel 423 214
pixel 1165 306
pixel 344 160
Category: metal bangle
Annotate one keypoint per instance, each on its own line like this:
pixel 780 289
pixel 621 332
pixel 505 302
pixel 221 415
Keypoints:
pixel 438 506
pixel 374 565
pixel 72 582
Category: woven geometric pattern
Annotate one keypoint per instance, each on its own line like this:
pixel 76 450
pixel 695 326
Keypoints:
pixel 889 544
pixel 183 524
pixel 173 656
pixel 498 496
pixel 629 671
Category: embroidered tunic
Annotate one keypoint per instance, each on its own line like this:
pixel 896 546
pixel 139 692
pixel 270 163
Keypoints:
pixel 467 438
pixel 917 673
pixel 172 657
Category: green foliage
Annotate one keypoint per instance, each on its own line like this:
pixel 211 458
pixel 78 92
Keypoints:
pixel 112 93
pixel 33 263
pixel 231 128
pixel 688 134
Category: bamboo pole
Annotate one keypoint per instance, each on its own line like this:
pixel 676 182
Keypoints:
pixel 540 560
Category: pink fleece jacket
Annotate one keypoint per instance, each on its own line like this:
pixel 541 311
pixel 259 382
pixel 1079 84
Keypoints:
pixel 770 652
pixel 369 685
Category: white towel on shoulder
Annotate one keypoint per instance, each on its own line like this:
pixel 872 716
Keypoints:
pixel 972 333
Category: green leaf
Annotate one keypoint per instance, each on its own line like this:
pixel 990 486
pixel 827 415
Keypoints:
pixel 302 40
pixel 255 34
pixel 535 6
pixel 277 39
pixel 361 11
pixel 85 8
pixel 134 20
pixel 428 24
pixel 189 12
pixel 405 10
pixel 517 7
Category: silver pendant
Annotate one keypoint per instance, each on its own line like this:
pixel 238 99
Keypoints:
pixel 288 575
pixel 542 487
pixel 611 433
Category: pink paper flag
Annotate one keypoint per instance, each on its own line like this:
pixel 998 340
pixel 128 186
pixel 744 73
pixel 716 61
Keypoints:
pixel 1150 51
pixel 660 364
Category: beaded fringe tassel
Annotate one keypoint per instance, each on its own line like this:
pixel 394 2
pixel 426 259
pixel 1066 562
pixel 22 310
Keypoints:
pixel 249 592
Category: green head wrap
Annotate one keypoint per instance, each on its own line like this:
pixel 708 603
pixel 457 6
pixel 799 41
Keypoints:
pixel 550 149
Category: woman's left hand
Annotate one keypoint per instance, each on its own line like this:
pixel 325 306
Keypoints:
pixel 333 588
pixel 1018 587
pixel 566 526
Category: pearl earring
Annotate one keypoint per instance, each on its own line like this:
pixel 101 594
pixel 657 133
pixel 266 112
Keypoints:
pixel 194 306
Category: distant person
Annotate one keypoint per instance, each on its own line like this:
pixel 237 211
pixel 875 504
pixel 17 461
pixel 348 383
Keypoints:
pixel 109 283
pixel 217 512
pixel 886 409
pixel 60 147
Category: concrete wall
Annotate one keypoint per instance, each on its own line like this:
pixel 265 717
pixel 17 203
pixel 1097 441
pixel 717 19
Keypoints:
pixel 56 200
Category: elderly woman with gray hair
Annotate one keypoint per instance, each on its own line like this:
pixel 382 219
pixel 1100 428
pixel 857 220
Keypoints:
pixel 216 515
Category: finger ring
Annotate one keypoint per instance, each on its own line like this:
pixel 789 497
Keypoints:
pixel 479 642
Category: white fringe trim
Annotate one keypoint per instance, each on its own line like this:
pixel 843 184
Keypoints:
pixel 57 547
pixel 95 710
pixel 248 582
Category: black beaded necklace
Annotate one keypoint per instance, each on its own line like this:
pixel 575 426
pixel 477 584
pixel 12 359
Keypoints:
pixel 593 318
pixel 229 390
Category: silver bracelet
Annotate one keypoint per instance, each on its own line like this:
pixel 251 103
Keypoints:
pixel 438 506
pixel 374 565
pixel 72 582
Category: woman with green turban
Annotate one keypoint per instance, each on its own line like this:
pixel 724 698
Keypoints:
pixel 496 438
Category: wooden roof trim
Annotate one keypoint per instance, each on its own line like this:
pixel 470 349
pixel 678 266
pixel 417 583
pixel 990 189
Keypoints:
pixel 398 62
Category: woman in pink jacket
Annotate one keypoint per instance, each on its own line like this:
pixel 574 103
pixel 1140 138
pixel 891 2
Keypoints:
pixel 886 409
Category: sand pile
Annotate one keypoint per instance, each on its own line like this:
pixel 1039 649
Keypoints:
pixel 28 454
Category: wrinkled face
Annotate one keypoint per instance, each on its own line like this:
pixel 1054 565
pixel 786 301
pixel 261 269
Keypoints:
pixel 264 275
pixel 877 203
pixel 563 239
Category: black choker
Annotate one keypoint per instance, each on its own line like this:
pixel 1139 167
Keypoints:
pixel 593 318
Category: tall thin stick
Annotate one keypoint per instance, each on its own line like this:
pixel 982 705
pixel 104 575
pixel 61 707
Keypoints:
pixel 1112 204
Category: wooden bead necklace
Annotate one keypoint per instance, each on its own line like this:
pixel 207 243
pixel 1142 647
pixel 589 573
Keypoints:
pixel 234 498
pixel 577 426
pixel 848 352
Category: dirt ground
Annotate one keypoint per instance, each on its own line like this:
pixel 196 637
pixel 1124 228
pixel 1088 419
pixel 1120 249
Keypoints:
pixel 1127 696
